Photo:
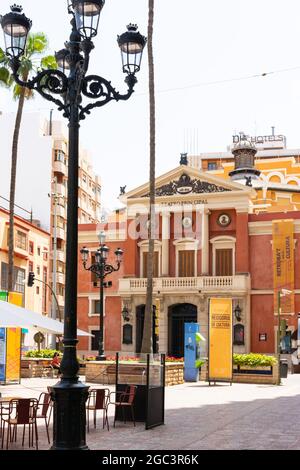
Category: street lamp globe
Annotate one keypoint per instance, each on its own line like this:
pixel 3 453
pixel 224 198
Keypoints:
pixel 119 254
pixel 84 254
pixel 62 57
pixel 104 251
pixel 87 16
pixel 131 44
pixel 102 237
pixel 98 256
pixel 16 27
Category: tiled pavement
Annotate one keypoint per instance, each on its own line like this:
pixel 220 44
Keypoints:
pixel 199 417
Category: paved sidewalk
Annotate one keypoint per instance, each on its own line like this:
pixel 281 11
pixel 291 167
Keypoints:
pixel 199 417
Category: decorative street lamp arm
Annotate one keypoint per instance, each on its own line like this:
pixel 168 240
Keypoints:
pixel 96 87
pixel 102 271
pixel 45 82
pixel 55 82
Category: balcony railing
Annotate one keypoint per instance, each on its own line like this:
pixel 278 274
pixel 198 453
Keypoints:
pixel 60 167
pixel 60 255
pixel 213 284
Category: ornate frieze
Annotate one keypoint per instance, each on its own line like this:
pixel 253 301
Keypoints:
pixel 185 185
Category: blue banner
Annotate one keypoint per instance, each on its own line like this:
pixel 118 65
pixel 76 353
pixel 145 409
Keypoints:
pixel 2 353
pixel 191 373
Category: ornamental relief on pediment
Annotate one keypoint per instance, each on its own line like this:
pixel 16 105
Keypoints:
pixel 186 185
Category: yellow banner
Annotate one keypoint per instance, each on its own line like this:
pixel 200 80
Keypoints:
pixel 13 354
pixel 13 344
pixel 15 298
pixel 220 340
pixel 283 264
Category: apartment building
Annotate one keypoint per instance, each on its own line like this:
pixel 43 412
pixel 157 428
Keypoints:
pixel 31 253
pixel 42 178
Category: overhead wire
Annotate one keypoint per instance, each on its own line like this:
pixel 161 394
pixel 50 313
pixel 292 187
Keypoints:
pixel 226 80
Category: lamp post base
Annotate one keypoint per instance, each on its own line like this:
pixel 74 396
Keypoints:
pixel 69 416
pixel 102 357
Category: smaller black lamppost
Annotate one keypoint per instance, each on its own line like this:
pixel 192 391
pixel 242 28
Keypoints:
pixel 101 268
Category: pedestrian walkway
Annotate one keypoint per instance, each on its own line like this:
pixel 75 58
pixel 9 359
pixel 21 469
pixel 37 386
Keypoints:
pixel 198 417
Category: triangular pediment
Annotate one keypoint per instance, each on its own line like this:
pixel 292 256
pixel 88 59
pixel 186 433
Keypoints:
pixel 185 180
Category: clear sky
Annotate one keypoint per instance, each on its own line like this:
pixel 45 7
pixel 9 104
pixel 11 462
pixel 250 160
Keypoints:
pixel 196 42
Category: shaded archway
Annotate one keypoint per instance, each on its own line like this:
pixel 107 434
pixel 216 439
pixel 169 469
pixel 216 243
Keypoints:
pixel 179 314
pixel 140 315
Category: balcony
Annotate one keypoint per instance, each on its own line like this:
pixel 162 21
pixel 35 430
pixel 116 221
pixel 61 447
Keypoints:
pixel 188 285
pixel 60 255
pixel 60 211
pixel 60 300
pixel 60 233
pixel 60 278
pixel 60 167
pixel 61 189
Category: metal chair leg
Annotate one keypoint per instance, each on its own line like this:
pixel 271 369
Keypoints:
pixel 36 435
pixel 47 429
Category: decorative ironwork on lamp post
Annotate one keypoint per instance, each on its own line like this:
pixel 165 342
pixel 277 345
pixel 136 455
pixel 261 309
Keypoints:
pixel 66 87
pixel 101 268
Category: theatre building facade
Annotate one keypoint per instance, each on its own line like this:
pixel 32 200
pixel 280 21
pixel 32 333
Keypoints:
pixel 215 237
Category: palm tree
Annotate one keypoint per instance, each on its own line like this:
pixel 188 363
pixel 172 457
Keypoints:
pixel 147 346
pixel 37 44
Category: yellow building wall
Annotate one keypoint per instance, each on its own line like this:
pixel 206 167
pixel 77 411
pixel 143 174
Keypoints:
pixel 41 240
pixel 283 171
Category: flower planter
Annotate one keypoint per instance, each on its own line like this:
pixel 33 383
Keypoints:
pixel 257 370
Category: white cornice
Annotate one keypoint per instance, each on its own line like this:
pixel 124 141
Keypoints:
pixel 111 236
pixel 265 227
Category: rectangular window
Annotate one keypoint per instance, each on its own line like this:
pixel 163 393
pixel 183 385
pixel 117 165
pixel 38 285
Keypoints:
pixel 60 290
pixel 60 156
pixel 38 270
pixel 95 306
pixel 224 262
pixel 21 240
pixel 95 340
pixel 19 279
pixel 60 267
pixel 30 266
pixel 31 248
pixel 155 264
pixel 186 263
pixel 39 251
pixel 212 166
pixel 37 290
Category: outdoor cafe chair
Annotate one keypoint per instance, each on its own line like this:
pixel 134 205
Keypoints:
pixel 22 411
pixel 98 399
pixel 124 401
pixel 44 410
pixel 50 404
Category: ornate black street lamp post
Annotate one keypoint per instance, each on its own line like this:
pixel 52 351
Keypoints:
pixel 101 268
pixel 66 88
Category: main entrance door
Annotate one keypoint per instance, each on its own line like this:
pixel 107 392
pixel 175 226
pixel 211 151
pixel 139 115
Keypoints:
pixel 179 314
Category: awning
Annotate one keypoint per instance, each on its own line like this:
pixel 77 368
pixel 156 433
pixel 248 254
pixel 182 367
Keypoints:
pixel 12 316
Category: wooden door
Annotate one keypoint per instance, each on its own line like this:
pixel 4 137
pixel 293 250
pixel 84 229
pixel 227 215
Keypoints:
pixel 186 263
pixel 224 262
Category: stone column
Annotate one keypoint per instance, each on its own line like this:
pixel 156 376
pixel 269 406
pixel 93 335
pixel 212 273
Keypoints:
pixel 165 237
pixel 205 243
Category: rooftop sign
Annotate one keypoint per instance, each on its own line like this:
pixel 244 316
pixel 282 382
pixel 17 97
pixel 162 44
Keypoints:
pixel 262 141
